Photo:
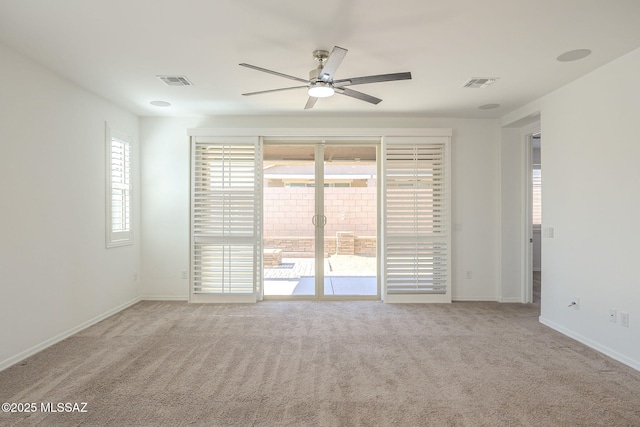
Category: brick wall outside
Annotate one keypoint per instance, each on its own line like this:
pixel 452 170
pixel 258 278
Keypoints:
pixel 288 211
pixel 345 243
pixel 290 244
pixel 365 245
pixel 302 247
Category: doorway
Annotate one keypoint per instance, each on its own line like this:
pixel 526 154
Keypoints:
pixel 320 230
pixel 536 216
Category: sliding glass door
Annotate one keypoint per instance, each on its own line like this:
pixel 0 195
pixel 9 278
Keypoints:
pixel 320 221
pixel 351 212
pixel 289 212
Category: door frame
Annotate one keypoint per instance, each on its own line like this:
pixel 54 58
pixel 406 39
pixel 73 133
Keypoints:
pixel 527 217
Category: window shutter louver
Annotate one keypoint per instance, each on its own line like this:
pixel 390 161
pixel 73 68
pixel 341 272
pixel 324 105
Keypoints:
pixel 226 255
pixel 416 216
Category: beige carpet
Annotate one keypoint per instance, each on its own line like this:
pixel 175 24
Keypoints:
pixel 324 364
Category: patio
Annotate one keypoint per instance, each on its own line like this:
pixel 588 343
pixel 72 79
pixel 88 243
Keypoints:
pixel 344 275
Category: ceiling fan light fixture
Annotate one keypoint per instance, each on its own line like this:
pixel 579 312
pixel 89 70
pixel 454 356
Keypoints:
pixel 321 90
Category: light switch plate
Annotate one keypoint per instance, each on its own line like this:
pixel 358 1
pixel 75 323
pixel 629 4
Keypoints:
pixel 624 319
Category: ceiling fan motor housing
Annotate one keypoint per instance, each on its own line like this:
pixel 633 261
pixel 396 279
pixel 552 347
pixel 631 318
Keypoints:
pixel 320 55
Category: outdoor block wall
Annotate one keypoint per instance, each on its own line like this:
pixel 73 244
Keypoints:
pixel 288 211
pixel 365 245
pixel 302 247
pixel 345 243
pixel 350 212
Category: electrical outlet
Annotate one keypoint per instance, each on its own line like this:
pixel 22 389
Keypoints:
pixel 135 276
pixel 613 315
pixel 624 319
pixel 574 303
pixel 469 274
pixel 183 274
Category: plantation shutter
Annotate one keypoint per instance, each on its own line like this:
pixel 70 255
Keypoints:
pixel 537 195
pixel 416 219
pixel 120 185
pixel 118 168
pixel 225 220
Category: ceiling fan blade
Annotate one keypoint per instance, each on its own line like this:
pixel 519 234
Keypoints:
pixel 273 90
pixel 373 79
pixel 275 73
pixel 358 95
pixel 332 63
pixel 310 102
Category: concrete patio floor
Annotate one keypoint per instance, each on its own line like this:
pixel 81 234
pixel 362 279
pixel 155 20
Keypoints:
pixel 344 275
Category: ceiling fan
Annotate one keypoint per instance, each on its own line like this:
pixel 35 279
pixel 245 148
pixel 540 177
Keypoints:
pixel 321 83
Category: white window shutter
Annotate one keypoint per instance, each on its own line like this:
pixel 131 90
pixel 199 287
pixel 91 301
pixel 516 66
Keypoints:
pixel 537 195
pixel 226 200
pixel 416 219
pixel 119 188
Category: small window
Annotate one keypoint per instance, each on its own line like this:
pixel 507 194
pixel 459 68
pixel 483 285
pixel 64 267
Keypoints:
pixel 119 188
pixel 537 195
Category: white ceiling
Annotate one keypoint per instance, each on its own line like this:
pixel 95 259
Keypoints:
pixel 115 48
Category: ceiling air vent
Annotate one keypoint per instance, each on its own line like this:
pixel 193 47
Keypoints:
pixel 480 82
pixel 175 80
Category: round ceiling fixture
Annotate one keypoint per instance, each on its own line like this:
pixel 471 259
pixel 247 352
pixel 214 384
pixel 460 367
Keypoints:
pixel 160 103
pixel 321 90
pixel 574 55
pixel 488 106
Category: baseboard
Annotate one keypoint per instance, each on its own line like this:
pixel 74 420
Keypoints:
pixel 590 343
pixel 163 298
pixel 477 299
pixel 510 299
pixel 489 299
pixel 51 341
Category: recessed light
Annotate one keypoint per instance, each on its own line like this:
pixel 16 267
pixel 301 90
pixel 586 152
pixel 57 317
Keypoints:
pixel 574 55
pixel 160 103
pixel 488 106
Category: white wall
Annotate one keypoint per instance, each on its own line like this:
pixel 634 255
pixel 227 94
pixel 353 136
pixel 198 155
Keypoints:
pixel 165 200
pixel 55 273
pixel 591 199
pixel 511 211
